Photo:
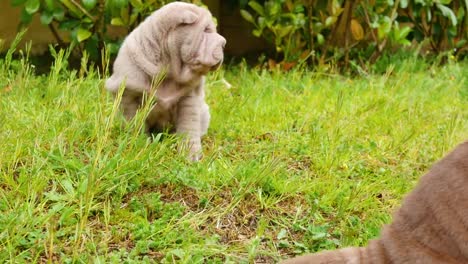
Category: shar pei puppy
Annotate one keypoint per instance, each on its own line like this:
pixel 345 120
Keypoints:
pixel 174 48
pixel 430 227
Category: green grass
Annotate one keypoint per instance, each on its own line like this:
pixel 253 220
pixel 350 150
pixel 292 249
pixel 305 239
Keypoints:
pixel 293 162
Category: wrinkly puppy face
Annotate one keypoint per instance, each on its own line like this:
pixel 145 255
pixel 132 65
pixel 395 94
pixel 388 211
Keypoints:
pixel 195 40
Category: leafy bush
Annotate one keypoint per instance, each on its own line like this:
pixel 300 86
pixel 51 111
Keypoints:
pixel 443 23
pixel 286 29
pixel 88 21
pixel 302 31
pixel 321 31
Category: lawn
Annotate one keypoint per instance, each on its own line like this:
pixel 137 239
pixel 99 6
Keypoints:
pixel 293 162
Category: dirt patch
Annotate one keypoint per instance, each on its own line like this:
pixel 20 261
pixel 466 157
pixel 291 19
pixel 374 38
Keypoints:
pixel 185 196
pixel 236 219
pixel 54 258
pixel 299 164
pixel 237 224
pixel 126 242
pixel 240 224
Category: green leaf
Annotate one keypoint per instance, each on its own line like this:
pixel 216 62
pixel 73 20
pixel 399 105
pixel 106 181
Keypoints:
pixel 89 4
pixel 282 234
pixel 384 27
pixel 73 10
pixel 318 26
pixel 403 33
pixel 452 33
pixel 330 21
pixel 136 3
pixel 460 43
pixel 113 48
pixel 257 32
pixel 118 4
pixel 124 15
pixel 257 7
pixel 247 16
pixel 133 18
pixel 32 6
pixel 69 24
pixel 92 47
pixel 83 34
pixel 444 2
pixel 67 185
pixel 320 39
pixel 117 21
pixel 54 196
pixel 261 22
pixel 283 31
pixel 66 216
pixel 274 8
pixel 49 5
pixel 83 186
pixel 86 20
pixel 46 18
pixel 461 12
pixel 299 9
pixel 405 42
pixel 447 12
pixel 58 206
pixel 403 3
pixel 180 253
pixel 59 14
pixel 319 235
pixel 25 18
pixel 17 2
pixel 283 244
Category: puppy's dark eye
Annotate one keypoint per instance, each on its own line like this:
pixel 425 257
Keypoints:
pixel 208 30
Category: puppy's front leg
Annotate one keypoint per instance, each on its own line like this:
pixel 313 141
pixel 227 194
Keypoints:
pixel 130 104
pixel 188 124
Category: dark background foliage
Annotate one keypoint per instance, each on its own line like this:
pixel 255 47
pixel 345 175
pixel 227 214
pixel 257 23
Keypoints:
pixel 301 32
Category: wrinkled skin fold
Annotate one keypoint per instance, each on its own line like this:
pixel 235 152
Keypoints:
pixel 179 44
pixel 430 227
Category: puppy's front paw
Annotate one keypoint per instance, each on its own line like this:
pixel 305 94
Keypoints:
pixel 193 148
pixel 194 157
pixel 195 152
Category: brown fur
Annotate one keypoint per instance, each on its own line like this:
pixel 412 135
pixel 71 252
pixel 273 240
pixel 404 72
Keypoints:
pixel 178 41
pixel 430 227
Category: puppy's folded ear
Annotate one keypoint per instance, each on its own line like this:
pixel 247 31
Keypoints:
pixel 187 17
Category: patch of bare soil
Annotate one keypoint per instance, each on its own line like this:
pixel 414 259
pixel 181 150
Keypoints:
pixel 185 196
pixel 239 224
pixel 238 221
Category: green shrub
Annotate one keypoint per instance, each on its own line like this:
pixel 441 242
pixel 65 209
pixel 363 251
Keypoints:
pixel 317 32
pixel 340 31
pixel 88 21
pixel 443 23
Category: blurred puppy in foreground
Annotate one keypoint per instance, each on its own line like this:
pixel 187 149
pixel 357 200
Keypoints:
pixel 430 227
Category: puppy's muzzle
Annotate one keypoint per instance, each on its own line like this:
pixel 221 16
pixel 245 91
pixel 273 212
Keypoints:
pixel 211 54
pixel 218 53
